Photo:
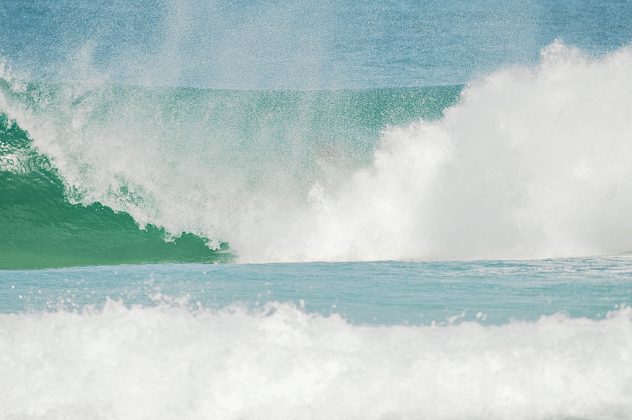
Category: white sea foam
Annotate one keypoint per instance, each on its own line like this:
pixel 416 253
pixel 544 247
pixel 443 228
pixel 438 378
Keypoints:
pixel 532 162
pixel 167 362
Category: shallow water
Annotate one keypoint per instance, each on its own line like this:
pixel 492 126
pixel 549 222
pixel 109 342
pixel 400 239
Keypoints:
pixel 489 292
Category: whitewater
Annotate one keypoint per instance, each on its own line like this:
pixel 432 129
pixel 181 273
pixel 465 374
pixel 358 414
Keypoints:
pixel 282 363
pixel 480 340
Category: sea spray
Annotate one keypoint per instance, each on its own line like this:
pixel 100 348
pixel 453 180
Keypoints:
pixel 532 162
pixel 216 154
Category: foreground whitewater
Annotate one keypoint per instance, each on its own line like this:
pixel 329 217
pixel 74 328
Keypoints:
pixel 483 340
pixel 165 363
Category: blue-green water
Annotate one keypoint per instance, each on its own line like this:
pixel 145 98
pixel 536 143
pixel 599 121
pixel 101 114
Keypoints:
pixel 237 141
pixel 334 44
pixel 489 292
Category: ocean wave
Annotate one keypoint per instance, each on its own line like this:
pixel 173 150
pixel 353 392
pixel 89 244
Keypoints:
pixel 532 162
pixel 40 227
pixel 81 159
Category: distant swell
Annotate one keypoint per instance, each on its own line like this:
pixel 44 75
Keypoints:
pixel 532 162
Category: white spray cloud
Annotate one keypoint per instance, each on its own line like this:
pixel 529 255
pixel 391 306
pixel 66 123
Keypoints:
pixel 532 162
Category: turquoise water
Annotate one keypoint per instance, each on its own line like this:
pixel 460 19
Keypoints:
pixel 489 292
pixel 241 140
pixel 335 44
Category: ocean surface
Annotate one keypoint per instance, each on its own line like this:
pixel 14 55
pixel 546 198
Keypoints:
pixel 330 210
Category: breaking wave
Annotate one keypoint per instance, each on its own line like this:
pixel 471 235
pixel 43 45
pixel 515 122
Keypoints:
pixel 528 162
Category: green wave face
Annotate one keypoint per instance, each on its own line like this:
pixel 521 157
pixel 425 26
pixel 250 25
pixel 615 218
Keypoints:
pixel 48 219
pixel 40 228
